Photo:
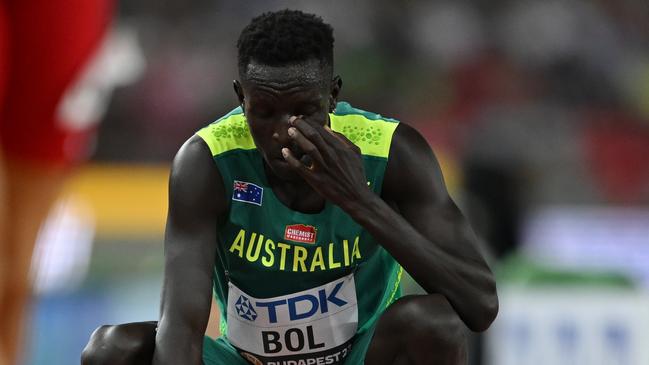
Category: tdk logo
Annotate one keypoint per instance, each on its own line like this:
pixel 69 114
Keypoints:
pixel 320 303
pixel 245 309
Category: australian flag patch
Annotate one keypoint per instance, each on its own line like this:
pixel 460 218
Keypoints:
pixel 247 192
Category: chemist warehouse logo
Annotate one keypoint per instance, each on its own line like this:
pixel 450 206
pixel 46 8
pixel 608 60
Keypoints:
pixel 300 233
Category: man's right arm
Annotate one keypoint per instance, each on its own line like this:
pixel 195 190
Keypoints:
pixel 196 207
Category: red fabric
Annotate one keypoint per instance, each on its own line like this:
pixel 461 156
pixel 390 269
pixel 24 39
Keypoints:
pixel 49 44
pixel 4 45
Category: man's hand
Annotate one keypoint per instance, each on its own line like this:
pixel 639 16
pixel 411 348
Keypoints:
pixel 427 235
pixel 335 169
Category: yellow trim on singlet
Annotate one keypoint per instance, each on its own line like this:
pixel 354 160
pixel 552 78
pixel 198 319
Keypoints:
pixel 227 134
pixel 223 325
pixel 372 135
pixel 395 289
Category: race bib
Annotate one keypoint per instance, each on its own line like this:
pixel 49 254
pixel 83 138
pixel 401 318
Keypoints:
pixel 311 327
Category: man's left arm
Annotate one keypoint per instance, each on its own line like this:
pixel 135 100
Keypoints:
pixel 414 219
pixel 426 233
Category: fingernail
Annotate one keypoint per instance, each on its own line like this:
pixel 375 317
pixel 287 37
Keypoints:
pixel 291 132
pixel 292 119
pixel 285 152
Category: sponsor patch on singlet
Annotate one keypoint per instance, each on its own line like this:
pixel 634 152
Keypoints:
pixel 311 327
pixel 300 233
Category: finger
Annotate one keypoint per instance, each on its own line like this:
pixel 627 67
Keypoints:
pixel 328 135
pixel 310 132
pixel 331 134
pixel 295 163
pixel 305 145
pixel 341 137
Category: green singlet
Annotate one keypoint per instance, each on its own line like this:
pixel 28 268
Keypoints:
pixel 296 288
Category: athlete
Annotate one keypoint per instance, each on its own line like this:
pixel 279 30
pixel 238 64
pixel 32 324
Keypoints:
pixel 300 213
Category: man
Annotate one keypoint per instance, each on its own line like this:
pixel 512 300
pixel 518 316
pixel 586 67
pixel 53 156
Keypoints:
pixel 299 213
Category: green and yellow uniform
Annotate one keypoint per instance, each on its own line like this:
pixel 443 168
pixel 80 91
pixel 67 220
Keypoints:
pixel 296 288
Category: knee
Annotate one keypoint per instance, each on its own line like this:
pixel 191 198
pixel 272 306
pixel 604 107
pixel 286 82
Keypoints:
pixel 97 350
pixel 426 325
pixel 126 344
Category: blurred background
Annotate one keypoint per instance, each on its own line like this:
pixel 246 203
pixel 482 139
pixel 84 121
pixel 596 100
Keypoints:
pixel 537 110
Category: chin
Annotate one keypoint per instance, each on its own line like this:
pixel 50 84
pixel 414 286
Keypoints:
pixel 283 171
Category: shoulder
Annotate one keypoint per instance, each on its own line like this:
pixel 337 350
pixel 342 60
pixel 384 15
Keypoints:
pixel 379 135
pixel 412 166
pixel 371 132
pixel 195 182
pixel 227 133
pixel 409 146
pixel 343 108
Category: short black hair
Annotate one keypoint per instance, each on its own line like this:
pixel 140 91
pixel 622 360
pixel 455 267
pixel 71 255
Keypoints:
pixel 285 37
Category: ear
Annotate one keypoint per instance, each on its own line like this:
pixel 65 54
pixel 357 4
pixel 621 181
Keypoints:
pixel 239 91
pixel 336 85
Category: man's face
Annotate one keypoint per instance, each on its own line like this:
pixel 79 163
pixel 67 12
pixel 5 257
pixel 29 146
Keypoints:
pixel 271 95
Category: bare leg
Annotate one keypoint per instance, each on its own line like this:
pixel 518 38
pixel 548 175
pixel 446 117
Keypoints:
pixel 124 344
pixel 417 330
pixel 131 343
pixel 30 191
